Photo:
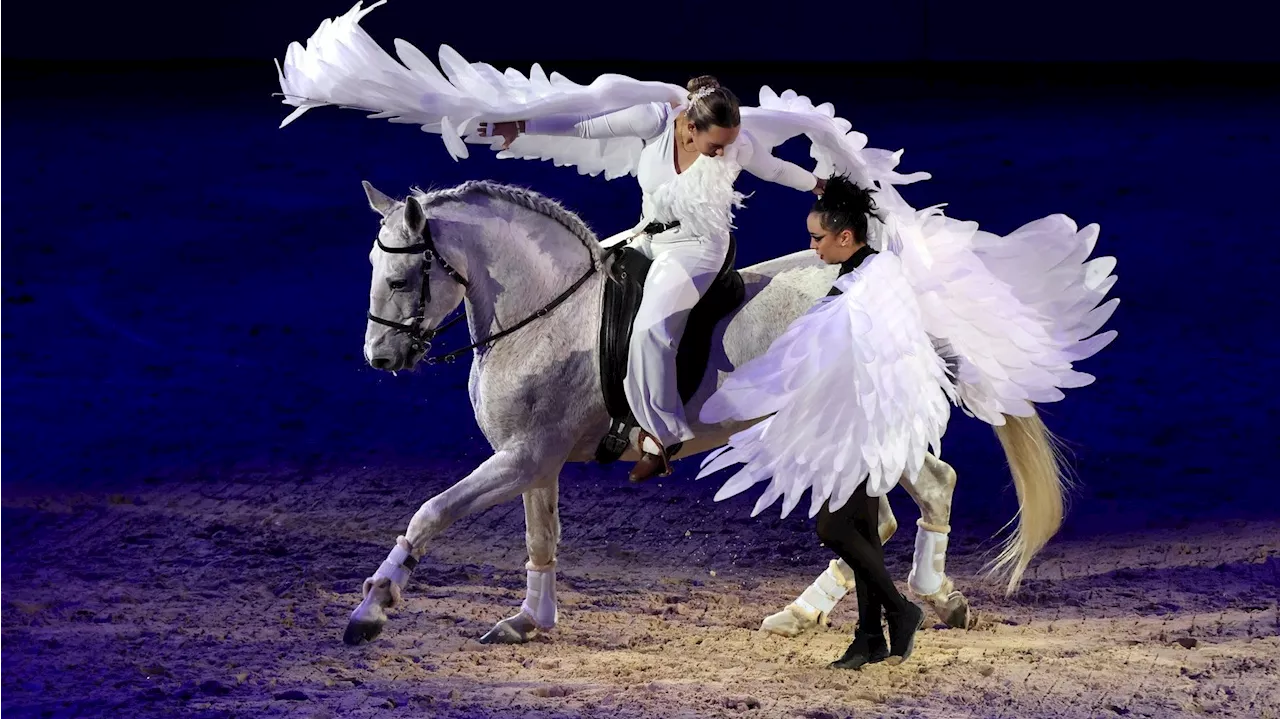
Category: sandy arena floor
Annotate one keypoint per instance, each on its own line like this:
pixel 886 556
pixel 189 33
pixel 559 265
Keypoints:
pixel 230 600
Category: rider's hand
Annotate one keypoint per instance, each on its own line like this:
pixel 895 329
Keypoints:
pixel 820 188
pixel 508 131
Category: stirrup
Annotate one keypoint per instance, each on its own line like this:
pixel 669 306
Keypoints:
pixel 667 452
pixel 663 453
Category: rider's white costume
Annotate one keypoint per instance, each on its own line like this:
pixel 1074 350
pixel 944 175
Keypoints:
pixel 685 258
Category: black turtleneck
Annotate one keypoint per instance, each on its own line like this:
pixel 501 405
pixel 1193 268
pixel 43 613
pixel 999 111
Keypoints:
pixel 852 264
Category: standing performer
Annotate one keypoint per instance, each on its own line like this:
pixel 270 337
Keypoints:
pixel 857 394
pixel 684 229
pixel 1012 315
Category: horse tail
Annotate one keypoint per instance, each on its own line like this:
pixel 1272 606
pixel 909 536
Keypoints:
pixel 1039 476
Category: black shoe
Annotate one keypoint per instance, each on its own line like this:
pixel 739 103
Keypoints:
pixel 903 626
pixel 866 648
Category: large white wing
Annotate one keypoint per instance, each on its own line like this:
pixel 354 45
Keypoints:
pixel 341 65
pixel 1016 311
pixel 855 393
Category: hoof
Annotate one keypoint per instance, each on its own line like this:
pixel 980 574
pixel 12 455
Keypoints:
pixel 786 624
pixel 512 630
pixel 955 613
pixel 951 607
pixel 360 631
pixel 367 620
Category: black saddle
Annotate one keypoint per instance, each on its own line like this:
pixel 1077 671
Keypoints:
pixel 626 269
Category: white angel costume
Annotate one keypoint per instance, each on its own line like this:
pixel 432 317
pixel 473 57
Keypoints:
pixel 686 257
pixel 1011 313
pixel 853 391
pixel 1015 311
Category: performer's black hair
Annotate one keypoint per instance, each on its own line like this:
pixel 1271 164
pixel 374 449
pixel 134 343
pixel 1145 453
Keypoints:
pixel 845 206
pixel 718 108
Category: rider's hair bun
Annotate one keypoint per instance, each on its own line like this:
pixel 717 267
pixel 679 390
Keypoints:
pixel 711 104
pixel 700 82
pixel 842 195
pixel 845 206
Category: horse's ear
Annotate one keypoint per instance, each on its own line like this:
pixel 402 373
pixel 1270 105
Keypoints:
pixel 378 201
pixel 415 218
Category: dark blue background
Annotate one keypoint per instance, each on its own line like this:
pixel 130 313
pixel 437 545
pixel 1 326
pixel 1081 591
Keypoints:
pixel 185 284
pixel 559 30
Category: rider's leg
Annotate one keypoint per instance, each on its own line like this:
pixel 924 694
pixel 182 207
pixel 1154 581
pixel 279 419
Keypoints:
pixel 681 273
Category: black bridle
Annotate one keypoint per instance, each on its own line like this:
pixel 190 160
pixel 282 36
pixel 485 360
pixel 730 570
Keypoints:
pixel 420 338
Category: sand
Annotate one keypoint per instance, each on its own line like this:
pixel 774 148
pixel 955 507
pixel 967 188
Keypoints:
pixel 229 599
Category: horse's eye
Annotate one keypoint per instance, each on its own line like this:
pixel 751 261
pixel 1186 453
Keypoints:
pixel 397 285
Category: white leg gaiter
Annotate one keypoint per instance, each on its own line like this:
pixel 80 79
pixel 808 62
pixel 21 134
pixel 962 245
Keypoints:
pixel 398 565
pixel 540 595
pixel 929 565
pixel 830 587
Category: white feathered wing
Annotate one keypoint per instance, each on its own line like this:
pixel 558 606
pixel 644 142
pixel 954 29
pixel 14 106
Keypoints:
pixel 342 65
pixel 1014 312
pixel 855 391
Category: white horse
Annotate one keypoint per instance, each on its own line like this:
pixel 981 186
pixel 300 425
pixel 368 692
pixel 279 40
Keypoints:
pixel 532 275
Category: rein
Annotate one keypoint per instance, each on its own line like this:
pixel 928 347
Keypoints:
pixel 420 339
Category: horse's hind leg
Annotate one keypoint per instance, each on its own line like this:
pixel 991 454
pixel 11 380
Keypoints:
pixel 932 491
pixel 542 535
pixel 813 607
pixel 498 479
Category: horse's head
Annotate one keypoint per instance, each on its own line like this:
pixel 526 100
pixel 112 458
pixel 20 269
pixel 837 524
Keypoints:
pixel 413 288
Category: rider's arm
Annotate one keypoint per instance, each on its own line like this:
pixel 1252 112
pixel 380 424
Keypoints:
pixel 757 160
pixel 643 121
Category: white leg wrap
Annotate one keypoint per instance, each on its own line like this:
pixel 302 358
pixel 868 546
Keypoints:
pixel 929 565
pixel 540 597
pixel 830 587
pixel 843 573
pixel 398 565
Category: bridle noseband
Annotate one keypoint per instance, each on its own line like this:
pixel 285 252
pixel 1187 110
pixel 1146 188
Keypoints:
pixel 420 338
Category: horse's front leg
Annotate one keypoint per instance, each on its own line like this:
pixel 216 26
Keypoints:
pixel 813 607
pixel 932 491
pixel 500 478
pixel 542 535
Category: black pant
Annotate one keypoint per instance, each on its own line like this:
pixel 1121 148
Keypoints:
pixel 853 532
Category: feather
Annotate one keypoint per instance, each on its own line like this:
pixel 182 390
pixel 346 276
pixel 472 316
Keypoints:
pixel 868 411
pixel 341 65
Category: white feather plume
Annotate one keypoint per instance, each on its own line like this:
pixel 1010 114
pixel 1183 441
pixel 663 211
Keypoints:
pixel 853 392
